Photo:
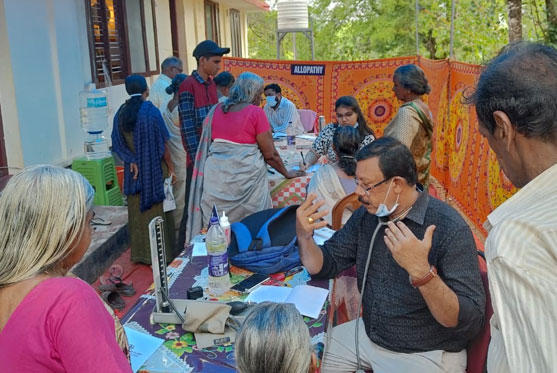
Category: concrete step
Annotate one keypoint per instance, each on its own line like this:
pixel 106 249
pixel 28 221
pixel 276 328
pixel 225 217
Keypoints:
pixel 107 244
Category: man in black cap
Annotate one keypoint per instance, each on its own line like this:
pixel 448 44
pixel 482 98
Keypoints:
pixel 198 93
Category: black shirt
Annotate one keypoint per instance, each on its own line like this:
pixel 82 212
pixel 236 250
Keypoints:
pixel 395 314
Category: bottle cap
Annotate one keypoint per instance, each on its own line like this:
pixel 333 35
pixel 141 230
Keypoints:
pixel 214 220
pixel 224 218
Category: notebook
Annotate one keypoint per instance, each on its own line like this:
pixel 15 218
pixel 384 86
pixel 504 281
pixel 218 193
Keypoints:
pixel 308 299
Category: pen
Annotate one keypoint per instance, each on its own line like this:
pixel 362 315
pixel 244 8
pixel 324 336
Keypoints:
pixel 303 159
pixel 271 171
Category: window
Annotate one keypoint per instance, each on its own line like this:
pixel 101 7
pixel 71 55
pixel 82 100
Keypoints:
pixel 236 33
pixel 212 29
pixel 123 39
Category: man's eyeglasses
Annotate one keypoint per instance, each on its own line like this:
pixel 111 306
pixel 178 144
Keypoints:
pixel 367 189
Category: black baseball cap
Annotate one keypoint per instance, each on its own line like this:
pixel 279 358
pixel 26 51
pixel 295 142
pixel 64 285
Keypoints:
pixel 209 47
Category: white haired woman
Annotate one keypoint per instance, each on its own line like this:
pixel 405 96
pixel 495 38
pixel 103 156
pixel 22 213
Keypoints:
pixel 49 322
pixel 230 169
pixel 274 339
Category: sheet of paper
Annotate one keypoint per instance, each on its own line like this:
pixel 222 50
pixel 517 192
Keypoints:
pixel 307 137
pixel 199 249
pixel 311 169
pixel 308 299
pixel 142 346
pixel 322 234
pixel 267 293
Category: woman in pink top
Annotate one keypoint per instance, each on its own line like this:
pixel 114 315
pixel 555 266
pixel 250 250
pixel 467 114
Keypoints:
pixel 231 164
pixel 48 322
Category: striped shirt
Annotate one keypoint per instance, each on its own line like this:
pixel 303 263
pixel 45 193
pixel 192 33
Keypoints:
pixel 197 96
pixel 283 115
pixel 521 253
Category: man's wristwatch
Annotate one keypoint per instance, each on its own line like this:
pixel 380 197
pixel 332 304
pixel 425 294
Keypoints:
pixel 425 279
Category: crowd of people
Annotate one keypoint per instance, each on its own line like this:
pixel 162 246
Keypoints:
pixel 421 293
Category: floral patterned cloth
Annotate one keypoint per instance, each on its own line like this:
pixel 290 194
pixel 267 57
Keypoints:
pixel 179 352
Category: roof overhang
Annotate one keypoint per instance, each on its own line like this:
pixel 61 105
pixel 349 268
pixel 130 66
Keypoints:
pixel 247 5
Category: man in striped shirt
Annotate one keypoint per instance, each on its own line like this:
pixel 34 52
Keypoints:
pixel 198 93
pixel 516 105
pixel 280 111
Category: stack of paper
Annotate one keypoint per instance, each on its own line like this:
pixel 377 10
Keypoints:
pixel 307 299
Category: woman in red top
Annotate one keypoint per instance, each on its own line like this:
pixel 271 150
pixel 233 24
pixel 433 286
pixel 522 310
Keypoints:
pixel 231 163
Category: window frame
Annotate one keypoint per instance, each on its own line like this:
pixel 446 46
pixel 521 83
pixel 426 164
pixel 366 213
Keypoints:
pixel 124 40
pixel 236 47
pixel 215 18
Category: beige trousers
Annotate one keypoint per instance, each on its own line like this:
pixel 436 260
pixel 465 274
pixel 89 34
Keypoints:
pixel 340 355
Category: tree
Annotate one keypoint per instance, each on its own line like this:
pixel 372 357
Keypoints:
pixel 368 29
pixel 551 8
pixel 515 20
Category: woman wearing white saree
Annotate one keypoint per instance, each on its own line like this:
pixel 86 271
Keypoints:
pixel 177 152
pixel 231 163
pixel 333 182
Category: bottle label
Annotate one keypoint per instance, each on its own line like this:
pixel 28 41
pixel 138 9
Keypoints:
pixel 96 101
pixel 291 140
pixel 218 265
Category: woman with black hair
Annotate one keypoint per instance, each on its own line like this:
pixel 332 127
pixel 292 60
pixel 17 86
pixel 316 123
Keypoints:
pixel 138 137
pixel 348 113
pixel 413 123
pixel 334 181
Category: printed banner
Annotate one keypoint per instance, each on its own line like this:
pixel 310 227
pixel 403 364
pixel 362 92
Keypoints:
pixel 465 170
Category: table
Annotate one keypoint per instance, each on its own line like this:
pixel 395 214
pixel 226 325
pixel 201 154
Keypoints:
pixel 285 192
pixel 179 352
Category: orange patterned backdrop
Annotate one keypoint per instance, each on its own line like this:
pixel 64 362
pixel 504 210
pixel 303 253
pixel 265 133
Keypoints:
pixel 465 170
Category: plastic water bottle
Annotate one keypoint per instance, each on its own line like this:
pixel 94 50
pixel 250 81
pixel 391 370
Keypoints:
pixel 219 280
pixel 225 225
pixel 94 120
pixel 291 142
pixel 321 122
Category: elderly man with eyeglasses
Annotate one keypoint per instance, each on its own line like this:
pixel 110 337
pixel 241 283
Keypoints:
pixel 418 273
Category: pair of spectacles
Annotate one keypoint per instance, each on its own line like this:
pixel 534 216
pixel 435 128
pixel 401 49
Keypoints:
pixel 367 189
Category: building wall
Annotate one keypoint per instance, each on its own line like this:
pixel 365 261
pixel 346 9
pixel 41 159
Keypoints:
pixel 47 59
pixel 45 63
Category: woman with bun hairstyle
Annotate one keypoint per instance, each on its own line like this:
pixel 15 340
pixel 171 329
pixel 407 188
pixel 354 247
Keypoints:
pixel 334 181
pixel 413 123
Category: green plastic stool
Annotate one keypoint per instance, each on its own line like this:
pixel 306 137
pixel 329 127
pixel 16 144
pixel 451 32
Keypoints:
pixel 101 173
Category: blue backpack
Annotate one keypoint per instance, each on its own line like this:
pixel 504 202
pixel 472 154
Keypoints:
pixel 265 242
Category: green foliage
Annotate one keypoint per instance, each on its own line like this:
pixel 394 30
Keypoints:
pixel 367 29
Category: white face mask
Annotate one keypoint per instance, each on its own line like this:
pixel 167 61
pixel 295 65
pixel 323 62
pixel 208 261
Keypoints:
pixel 271 100
pixel 382 210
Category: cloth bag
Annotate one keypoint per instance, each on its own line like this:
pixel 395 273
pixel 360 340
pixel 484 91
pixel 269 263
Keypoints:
pixel 206 317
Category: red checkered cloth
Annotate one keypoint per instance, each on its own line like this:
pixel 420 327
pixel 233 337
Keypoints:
pixel 290 191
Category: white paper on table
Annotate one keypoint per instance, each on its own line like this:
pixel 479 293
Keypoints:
pixel 142 346
pixel 199 249
pixel 307 299
pixel 307 137
pixel 322 234
pixel 310 169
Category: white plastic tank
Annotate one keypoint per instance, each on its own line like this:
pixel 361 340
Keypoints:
pixel 292 15
pixel 94 120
